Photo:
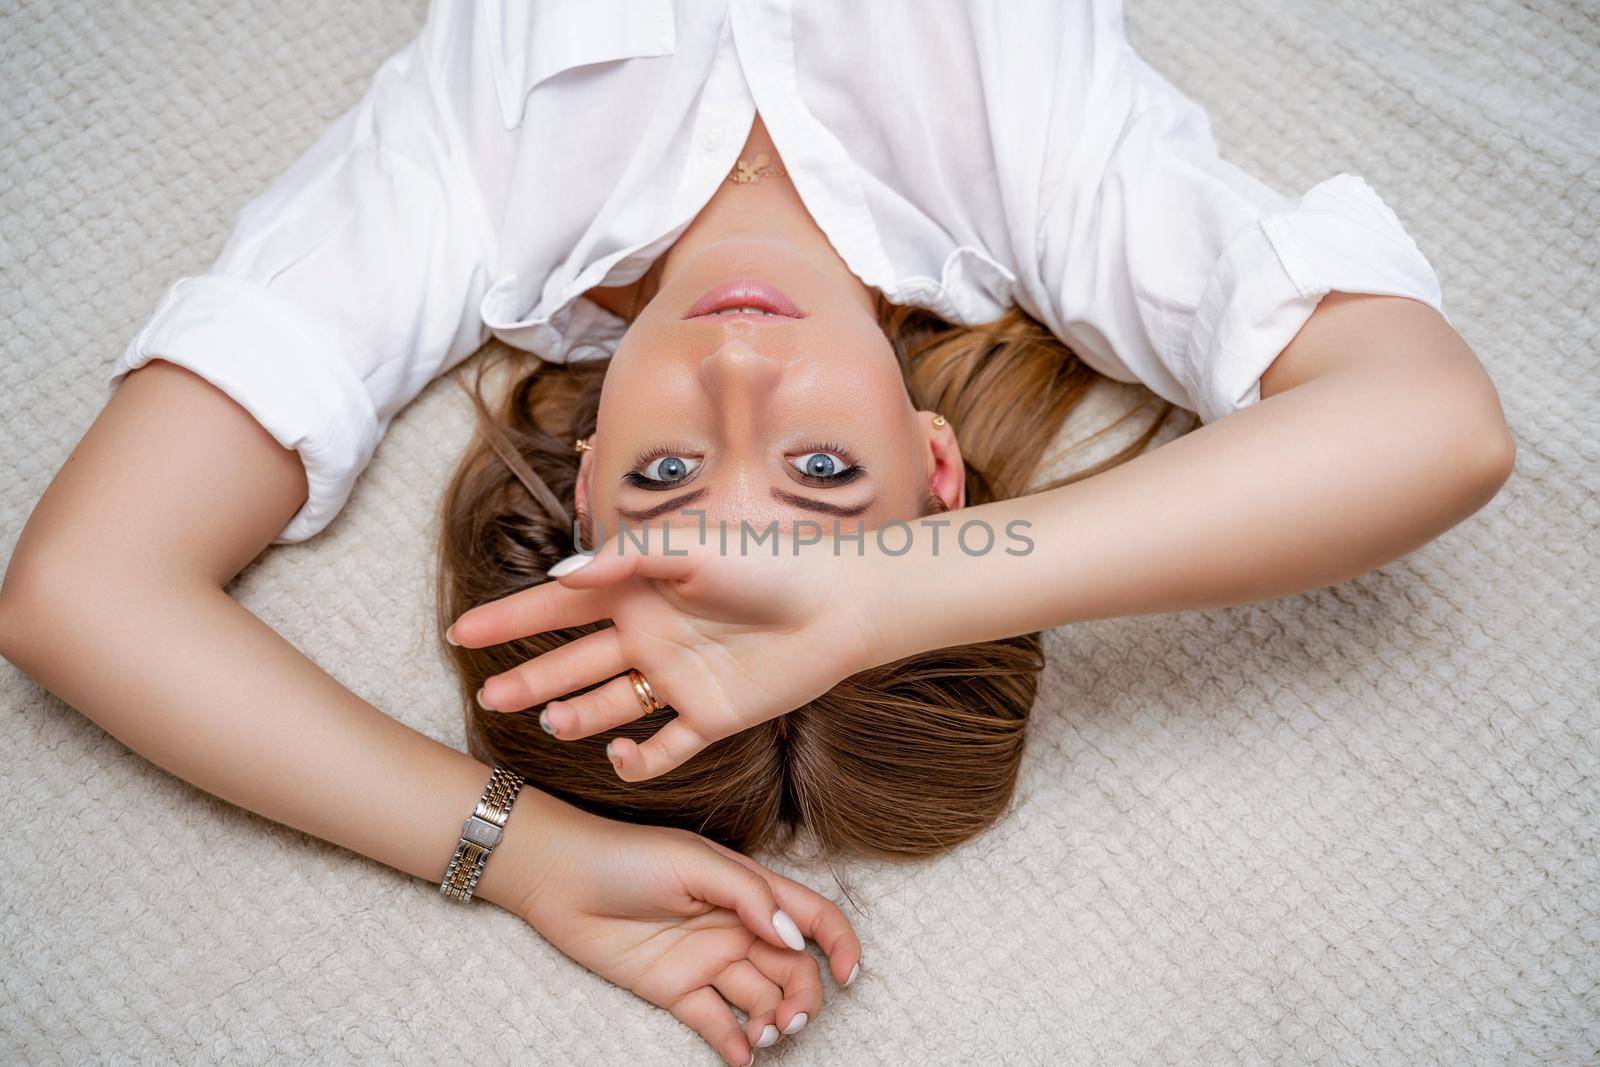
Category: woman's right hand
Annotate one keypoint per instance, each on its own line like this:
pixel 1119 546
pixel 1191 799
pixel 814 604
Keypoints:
pixel 727 640
pixel 687 925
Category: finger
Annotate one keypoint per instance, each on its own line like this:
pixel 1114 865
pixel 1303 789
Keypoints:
pixel 753 993
pixel 546 606
pixel 817 917
pixel 717 880
pixel 594 712
pixel 820 920
pixel 708 1015
pixel 622 558
pixel 797 973
pixel 575 665
pixel 671 746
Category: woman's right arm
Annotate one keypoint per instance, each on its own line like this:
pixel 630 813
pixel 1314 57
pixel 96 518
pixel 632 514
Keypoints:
pixel 114 599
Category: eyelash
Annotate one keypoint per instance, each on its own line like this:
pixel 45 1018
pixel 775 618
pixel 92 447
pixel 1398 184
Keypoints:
pixel 644 458
pixel 853 471
pixel 636 477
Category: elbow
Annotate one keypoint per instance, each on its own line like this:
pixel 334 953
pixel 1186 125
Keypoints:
pixel 10 622
pixel 34 596
pixel 1486 452
pixel 20 588
pixel 1498 451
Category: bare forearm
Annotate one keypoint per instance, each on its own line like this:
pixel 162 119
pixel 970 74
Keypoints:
pixel 188 678
pixel 1306 488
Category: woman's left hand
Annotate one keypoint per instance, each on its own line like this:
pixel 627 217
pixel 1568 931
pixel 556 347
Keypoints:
pixel 726 640
pixel 685 923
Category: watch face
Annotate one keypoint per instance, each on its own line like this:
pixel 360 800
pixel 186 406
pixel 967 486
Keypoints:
pixel 481 832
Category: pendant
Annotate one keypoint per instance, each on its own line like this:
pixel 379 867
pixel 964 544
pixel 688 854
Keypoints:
pixel 750 173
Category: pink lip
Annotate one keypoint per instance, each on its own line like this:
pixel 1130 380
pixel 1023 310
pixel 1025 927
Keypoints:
pixel 744 292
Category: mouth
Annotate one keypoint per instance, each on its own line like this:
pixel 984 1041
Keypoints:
pixel 744 299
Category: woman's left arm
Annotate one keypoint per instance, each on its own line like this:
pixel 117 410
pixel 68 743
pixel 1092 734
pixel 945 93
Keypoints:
pixel 1374 427
pixel 1377 430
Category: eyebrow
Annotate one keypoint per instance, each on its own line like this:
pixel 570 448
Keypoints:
pixel 663 507
pixel 822 506
pixel 802 502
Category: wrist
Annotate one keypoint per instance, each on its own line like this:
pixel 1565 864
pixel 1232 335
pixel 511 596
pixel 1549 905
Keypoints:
pixel 882 594
pixel 528 848
pixel 937 593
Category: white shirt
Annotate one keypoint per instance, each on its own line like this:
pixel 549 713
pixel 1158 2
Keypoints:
pixel 963 157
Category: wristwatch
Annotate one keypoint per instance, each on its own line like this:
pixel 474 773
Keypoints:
pixel 480 834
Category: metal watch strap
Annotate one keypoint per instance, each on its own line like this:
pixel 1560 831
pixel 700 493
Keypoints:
pixel 480 834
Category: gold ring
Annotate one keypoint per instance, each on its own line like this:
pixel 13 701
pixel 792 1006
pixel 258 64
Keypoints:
pixel 646 695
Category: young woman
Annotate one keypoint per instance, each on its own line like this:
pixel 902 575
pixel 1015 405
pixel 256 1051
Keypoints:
pixel 826 263
pixel 762 363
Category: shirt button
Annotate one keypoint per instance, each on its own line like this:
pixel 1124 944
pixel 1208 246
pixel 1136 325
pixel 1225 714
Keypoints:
pixel 711 136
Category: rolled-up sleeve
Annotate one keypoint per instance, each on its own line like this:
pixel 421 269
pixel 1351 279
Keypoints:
pixel 1163 263
pixel 349 283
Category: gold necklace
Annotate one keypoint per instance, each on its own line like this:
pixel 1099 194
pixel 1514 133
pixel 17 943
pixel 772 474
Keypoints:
pixel 745 173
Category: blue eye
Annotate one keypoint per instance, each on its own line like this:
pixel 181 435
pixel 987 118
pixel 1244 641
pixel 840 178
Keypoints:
pixel 820 464
pixel 825 467
pixel 669 469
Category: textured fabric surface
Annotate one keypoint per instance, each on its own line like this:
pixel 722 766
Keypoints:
pixel 1354 826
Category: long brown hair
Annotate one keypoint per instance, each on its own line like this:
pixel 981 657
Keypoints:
pixel 906 759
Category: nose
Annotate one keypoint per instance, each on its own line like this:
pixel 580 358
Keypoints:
pixel 739 379
pixel 740 384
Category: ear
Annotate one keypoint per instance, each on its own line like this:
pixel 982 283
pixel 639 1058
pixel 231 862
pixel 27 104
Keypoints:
pixel 580 491
pixel 949 478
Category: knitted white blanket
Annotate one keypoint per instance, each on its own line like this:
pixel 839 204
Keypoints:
pixel 1361 825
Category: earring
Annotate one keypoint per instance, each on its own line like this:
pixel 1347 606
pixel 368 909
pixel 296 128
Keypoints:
pixel 582 445
pixel 940 420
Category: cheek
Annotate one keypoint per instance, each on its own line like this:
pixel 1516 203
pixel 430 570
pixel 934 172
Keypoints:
pixel 857 375
pixel 876 370
pixel 617 396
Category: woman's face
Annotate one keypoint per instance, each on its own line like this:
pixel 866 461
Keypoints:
pixel 797 411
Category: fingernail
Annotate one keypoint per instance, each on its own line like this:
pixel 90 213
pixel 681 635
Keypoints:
pixel 795 1024
pixel 855 969
pixel 568 565
pixel 450 635
pixel 481 704
pixel 769 1036
pixel 611 752
pixel 788 931
pixel 544 721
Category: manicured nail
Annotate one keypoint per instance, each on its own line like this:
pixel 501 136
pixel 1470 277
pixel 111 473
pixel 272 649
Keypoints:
pixel 769 1036
pixel 611 752
pixel 544 721
pixel 855 969
pixel 450 635
pixel 795 1024
pixel 568 565
pixel 481 704
pixel 788 931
